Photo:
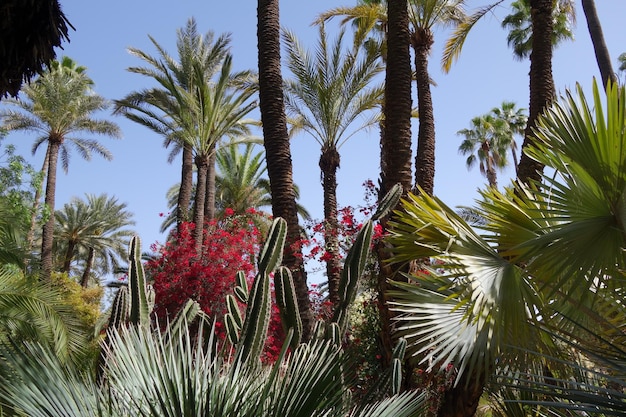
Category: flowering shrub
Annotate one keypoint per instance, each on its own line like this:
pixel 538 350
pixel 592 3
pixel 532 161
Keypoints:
pixel 178 273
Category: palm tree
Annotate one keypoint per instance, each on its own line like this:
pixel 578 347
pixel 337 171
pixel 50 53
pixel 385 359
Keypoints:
pixel 30 31
pixel 599 45
pixel 95 230
pixel 329 93
pixel 60 106
pixel 546 263
pixel 193 109
pixel 278 150
pixel 490 138
pixel 161 109
pixel 519 25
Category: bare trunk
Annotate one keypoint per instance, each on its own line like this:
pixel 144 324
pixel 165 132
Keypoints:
pixel 186 186
pixel 278 151
pixel 202 164
pixel 84 280
pixel 209 205
pixel 599 45
pixel 396 154
pixel 541 83
pixel 329 163
pixel 47 237
pixel 69 255
pixel 425 159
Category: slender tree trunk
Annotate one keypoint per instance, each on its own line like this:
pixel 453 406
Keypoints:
pixel 30 236
pixel 599 45
pixel 396 155
pixel 47 237
pixel 209 205
pixel 329 163
pixel 202 166
pixel 541 82
pixel 278 151
pixel 84 280
pixel 186 186
pixel 69 255
pixel 425 159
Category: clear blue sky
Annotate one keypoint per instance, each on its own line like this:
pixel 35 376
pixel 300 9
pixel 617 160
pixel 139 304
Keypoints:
pixel 485 75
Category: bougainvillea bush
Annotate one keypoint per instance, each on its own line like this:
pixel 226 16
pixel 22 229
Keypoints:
pixel 230 244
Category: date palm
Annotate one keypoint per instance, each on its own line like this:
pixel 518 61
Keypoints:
pixel 161 109
pixel 60 107
pixel 94 232
pixel 546 258
pixel 200 104
pixel 330 90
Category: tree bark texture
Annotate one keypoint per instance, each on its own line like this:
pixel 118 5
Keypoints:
pixel 599 45
pixel 396 155
pixel 278 151
pixel 186 186
pixel 541 83
pixel 47 236
pixel 202 166
pixel 425 160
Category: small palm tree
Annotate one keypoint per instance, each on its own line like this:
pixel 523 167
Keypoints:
pixel 330 91
pixel 490 138
pixel 95 231
pixel 60 107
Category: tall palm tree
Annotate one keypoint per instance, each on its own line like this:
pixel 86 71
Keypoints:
pixel 543 264
pixel 95 230
pixel 161 109
pixel 278 150
pixel 331 89
pixel 60 106
pixel 599 45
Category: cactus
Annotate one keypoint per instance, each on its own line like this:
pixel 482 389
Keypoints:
pixel 241 287
pixel 254 332
pixel 139 310
pixel 287 304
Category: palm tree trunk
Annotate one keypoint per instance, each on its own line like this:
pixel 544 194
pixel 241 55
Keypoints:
pixel 599 45
pixel 278 151
pixel 541 83
pixel 395 148
pixel 462 400
pixel 329 163
pixel 47 237
pixel 69 255
pixel 209 205
pixel 202 165
pixel 30 235
pixel 84 280
pixel 186 185
pixel 425 159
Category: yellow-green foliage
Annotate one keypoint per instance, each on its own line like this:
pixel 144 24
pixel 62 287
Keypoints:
pixel 84 301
